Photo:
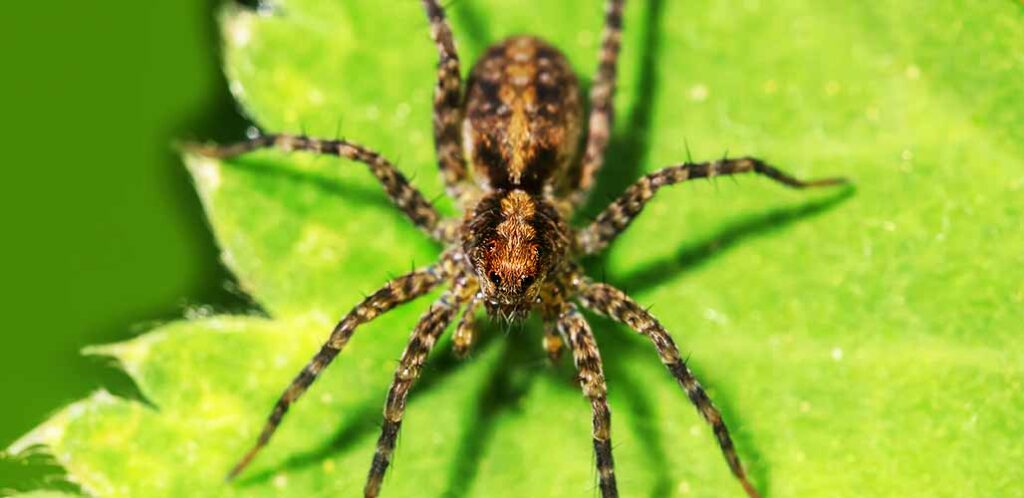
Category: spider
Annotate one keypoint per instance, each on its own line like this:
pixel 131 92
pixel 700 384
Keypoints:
pixel 507 144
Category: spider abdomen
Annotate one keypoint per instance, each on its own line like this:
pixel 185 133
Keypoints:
pixel 522 116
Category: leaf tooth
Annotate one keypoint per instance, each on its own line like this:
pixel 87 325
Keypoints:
pixel 206 172
pixel 131 354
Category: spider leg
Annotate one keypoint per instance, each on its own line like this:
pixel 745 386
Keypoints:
pixel 602 91
pixel 447 102
pixel 591 376
pixel 424 336
pixel 552 305
pixel 397 291
pixel 409 199
pixel 611 302
pixel 465 331
pixel 553 341
pixel 621 212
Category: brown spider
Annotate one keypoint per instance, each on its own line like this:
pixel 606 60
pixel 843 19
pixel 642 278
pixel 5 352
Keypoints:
pixel 516 124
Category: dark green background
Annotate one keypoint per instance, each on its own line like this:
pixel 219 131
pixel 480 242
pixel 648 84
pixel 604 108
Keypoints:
pixel 104 234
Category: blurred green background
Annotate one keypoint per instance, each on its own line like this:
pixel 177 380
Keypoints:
pixel 105 234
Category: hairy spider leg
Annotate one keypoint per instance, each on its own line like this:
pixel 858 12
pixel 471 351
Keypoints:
pixel 615 304
pixel 466 330
pixel 552 304
pixel 591 376
pixel 447 103
pixel 602 93
pixel 405 196
pixel 430 327
pixel 553 343
pixel 621 212
pixel 396 292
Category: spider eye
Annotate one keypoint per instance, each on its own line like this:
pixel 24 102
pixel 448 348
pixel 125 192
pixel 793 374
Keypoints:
pixel 494 278
pixel 527 280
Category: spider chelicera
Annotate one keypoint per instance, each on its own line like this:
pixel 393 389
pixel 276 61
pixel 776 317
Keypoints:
pixel 506 144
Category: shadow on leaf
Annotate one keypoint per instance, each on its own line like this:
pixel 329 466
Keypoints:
pixel 693 256
pixel 259 164
pixel 510 381
pixel 364 419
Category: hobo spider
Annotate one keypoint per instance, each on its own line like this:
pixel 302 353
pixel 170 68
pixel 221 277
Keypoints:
pixel 506 144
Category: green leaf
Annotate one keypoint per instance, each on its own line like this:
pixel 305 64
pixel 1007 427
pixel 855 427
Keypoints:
pixel 859 345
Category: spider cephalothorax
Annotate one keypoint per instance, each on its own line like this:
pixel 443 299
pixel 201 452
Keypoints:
pixel 514 241
pixel 506 147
